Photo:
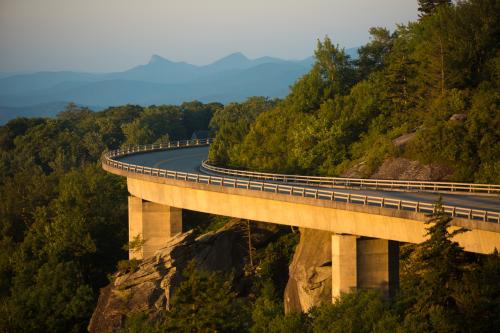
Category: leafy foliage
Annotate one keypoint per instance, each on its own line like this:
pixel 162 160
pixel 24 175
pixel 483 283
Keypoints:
pixel 347 112
pixel 63 220
pixel 205 302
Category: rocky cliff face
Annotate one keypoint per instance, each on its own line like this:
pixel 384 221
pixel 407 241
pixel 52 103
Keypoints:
pixel 310 281
pixel 150 287
pixel 405 169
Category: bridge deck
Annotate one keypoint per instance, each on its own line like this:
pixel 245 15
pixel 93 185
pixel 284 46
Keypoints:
pixel 189 160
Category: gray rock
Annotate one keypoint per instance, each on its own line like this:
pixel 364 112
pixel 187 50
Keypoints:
pixel 310 280
pixel 460 117
pixel 150 288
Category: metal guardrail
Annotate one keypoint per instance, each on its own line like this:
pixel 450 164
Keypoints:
pixel 323 194
pixel 361 183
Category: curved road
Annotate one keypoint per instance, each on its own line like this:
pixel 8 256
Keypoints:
pixel 189 160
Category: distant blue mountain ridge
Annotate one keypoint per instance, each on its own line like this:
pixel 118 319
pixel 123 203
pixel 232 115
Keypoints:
pixel 160 81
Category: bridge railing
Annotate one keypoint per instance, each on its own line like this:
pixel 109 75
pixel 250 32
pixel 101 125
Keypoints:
pixel 377 184
pixel 135 149
pixel 316 193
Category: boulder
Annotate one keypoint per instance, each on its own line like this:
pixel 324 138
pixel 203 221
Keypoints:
pixel 310 273
pixel 403 140
pixel 149 288
pixel 459 117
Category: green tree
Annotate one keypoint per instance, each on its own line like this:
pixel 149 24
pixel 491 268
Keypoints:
pixel 205 302
pixel 155 124
pixel 437 265
pixel 371 55
pixel 428 7
pixel 268 315
pixel 359 311
pixel 231 124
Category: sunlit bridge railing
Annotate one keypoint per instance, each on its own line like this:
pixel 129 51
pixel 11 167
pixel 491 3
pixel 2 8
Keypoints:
pixel 271 183
pixel 362 183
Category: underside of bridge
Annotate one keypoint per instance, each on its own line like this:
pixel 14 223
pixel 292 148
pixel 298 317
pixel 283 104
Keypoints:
pixel 357 262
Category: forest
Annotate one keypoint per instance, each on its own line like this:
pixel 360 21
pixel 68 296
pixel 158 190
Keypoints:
pixel 63 220
pixel 421 80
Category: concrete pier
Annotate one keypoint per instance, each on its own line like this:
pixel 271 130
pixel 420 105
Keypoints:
pixel 155 223
pixel 344 267
pixel 364 263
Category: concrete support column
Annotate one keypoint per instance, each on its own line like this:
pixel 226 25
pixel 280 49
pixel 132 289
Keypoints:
pixel 344 269
pixel 378 265
pixel 364 263
pixel 155 223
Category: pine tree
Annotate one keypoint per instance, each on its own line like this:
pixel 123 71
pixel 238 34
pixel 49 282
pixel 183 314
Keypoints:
pixel 427 7
pixel 437 265
pixel 205 302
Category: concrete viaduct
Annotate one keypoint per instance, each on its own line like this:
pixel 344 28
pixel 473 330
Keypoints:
pixel 366 218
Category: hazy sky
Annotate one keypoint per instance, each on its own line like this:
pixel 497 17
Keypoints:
pixel 108 35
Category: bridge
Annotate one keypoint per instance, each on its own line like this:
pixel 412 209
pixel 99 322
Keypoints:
pixel 367 218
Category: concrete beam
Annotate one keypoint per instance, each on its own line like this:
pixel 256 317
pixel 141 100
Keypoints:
pixel 155 223
pixel 333 216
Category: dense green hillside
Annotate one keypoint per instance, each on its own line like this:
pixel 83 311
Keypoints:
pixel 412 80
pixel 63 220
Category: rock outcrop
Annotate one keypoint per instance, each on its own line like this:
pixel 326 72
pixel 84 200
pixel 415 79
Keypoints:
pixel 310 273
pixel 150 287
pixel 403 140
pixel 459 117
pixel 405 169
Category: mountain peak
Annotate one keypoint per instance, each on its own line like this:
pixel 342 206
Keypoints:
pixel 236 56
pixel 156 59
pixel 234 60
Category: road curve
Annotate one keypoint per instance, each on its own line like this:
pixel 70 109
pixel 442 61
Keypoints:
pixel 189 160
